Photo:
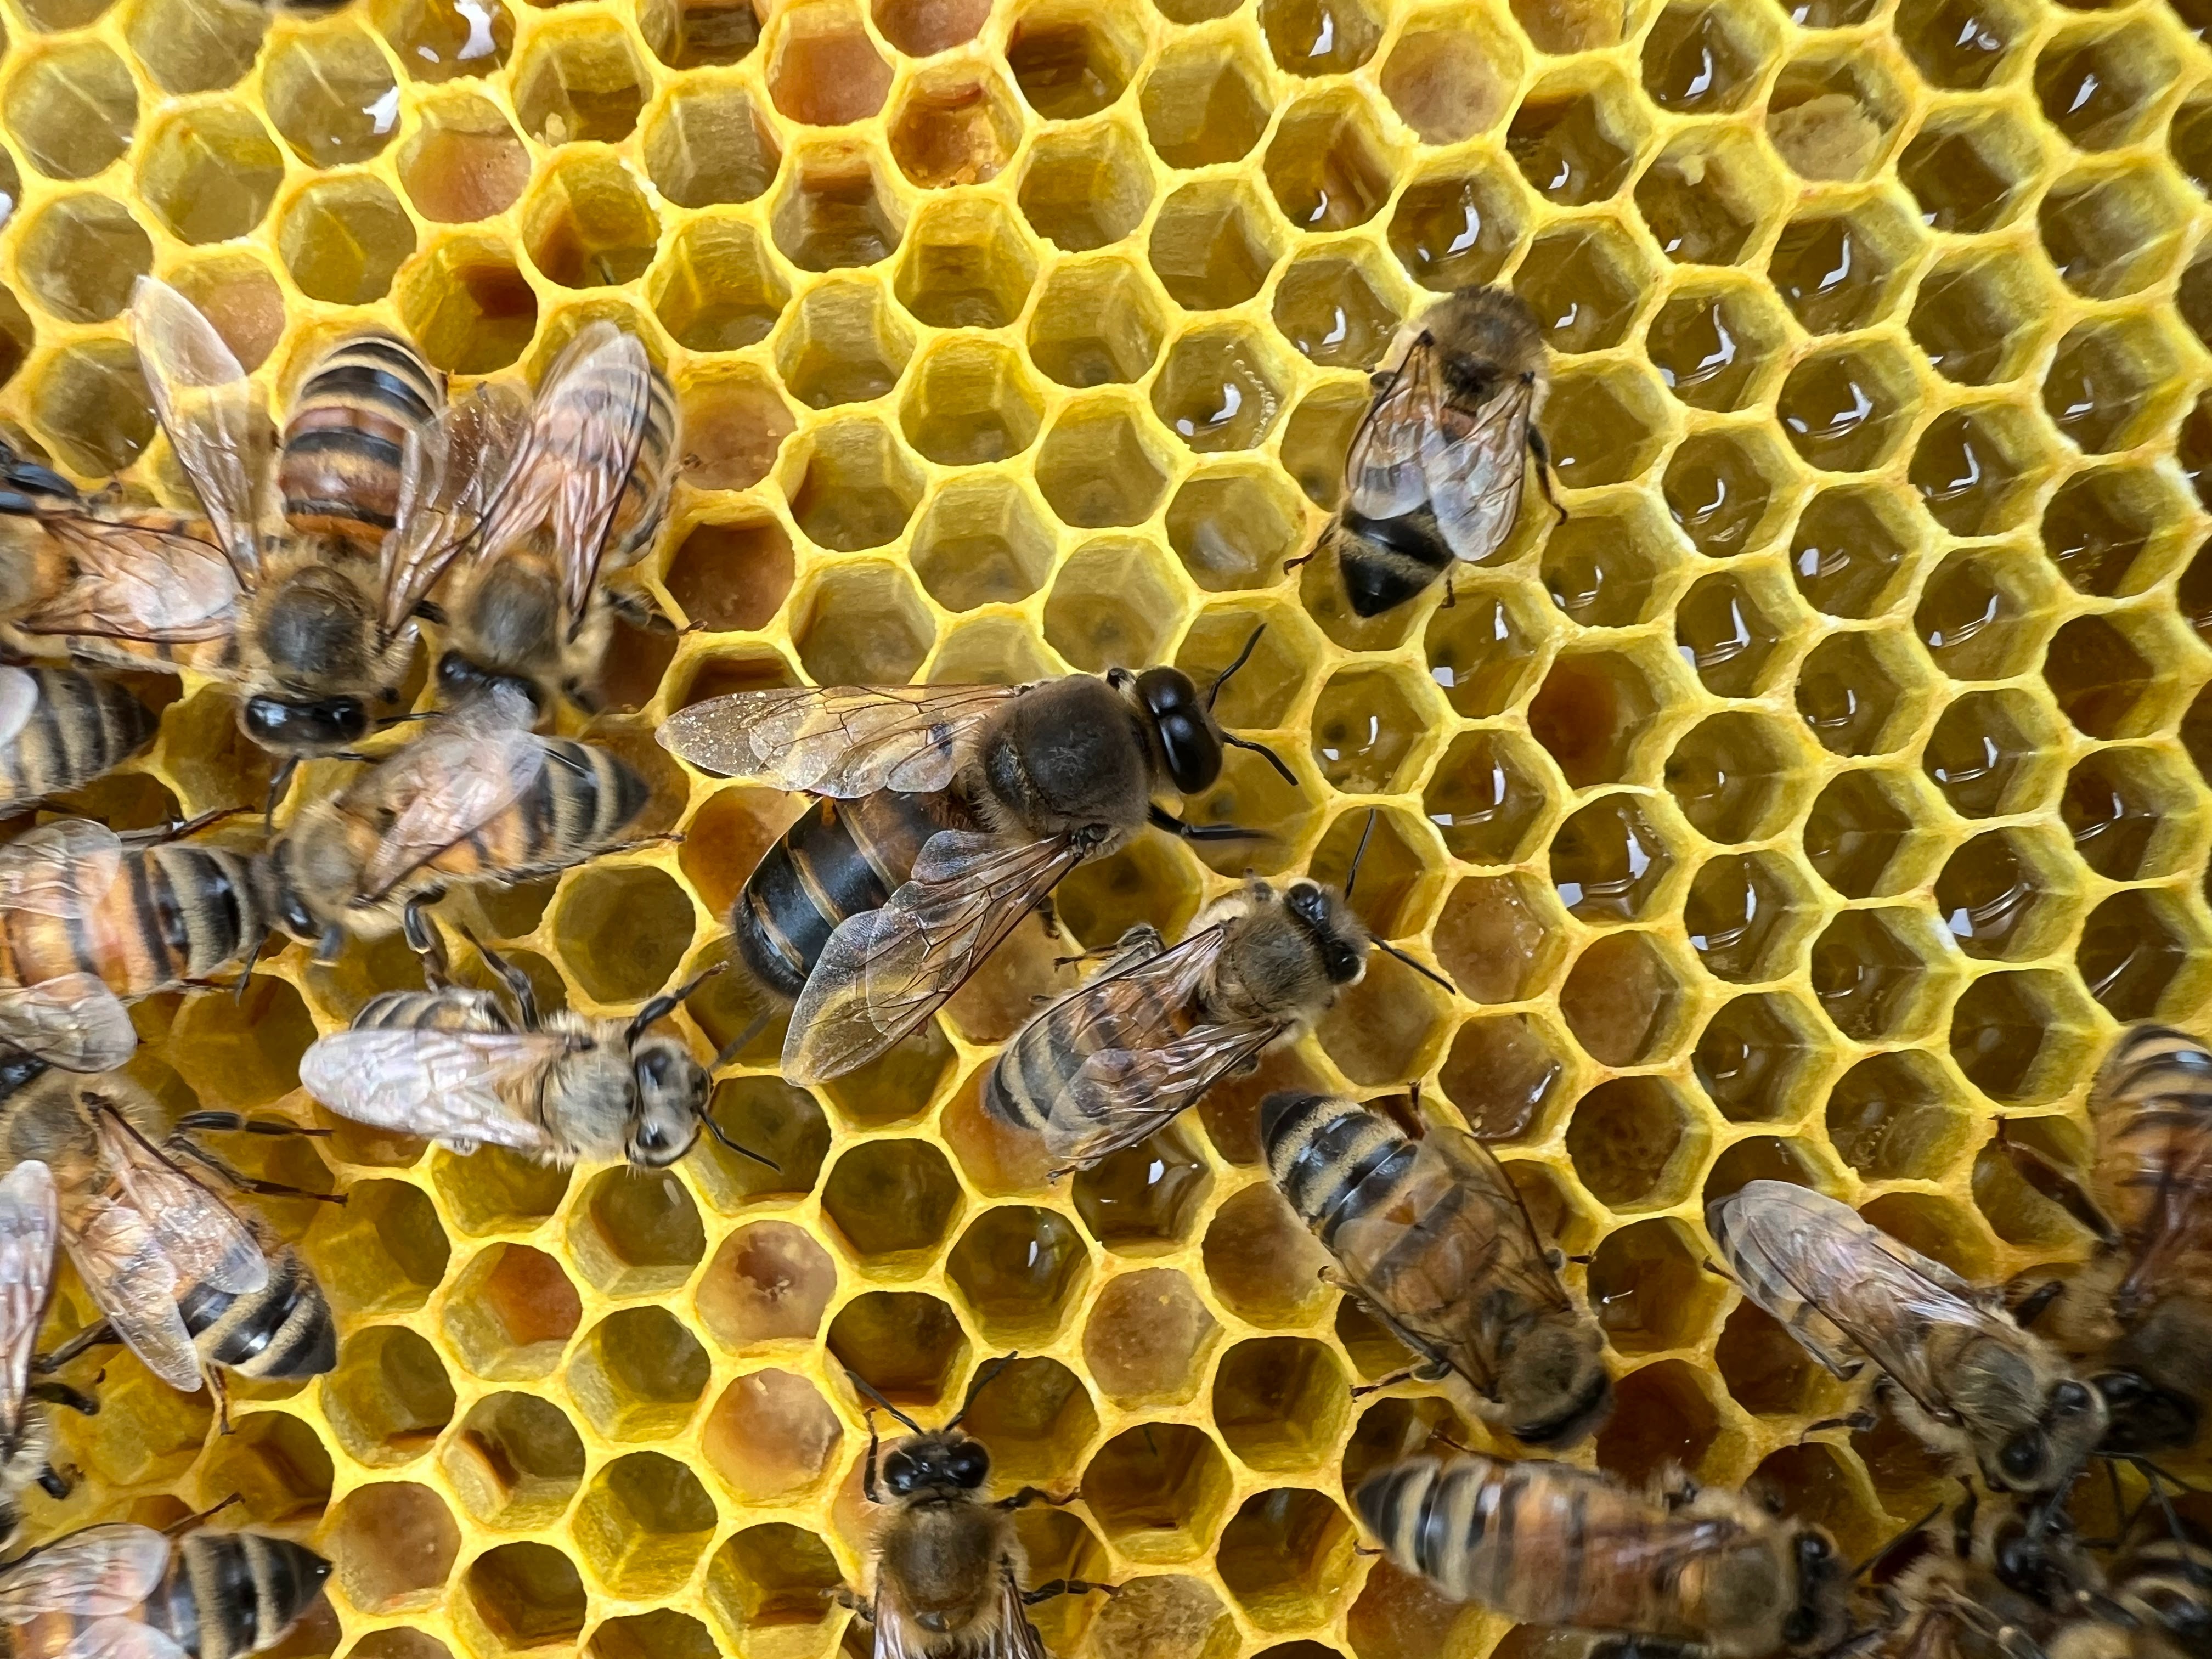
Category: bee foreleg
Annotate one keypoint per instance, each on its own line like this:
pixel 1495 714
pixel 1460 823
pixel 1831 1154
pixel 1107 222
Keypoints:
pixel 1161 819
pixel 1542 454
pixel 1065 1587
pixel 1432 1370
pixel 55 1483
pixel 1029 1495
pixel 60 1393
pixel 177 829
pixel 184 1146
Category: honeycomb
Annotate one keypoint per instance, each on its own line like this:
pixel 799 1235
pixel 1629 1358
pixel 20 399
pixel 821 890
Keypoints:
pixel 1828 785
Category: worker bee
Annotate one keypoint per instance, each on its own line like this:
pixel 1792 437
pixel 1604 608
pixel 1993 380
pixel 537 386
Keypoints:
pixel 1432 1236
pixel 122 1591
pixel 29 1227
pixel 946 1565
pixel 452 1064
pixel 1435 472
pixel 89 920
pixel 61 728
pixel 182 1280
pixel 573 485
pixel 1687 1570
pixel 481 801
pixel 1962 1376
pixel 947 813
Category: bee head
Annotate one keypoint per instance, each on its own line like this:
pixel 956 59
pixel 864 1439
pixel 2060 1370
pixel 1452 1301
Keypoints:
pixel 1188 735
pixel 1823 1588
pixel 310 725
pixel 669 1106
pixel 2049 1451
pixel 1335 931
pixel 462 680
pixel 944 1462
pixel 2145 1418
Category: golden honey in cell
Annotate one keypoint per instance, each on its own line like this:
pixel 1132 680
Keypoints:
pixel 90 920
pixel 1432 1236
pixel 62 727
pixel 1688 1570
pixel 1956 1369
pixel 127 1590
pixel 946 814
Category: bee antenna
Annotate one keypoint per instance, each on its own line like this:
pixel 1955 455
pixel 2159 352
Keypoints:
pixel 1243 657
pixel 1359 853
pixel 1273 759
pixel 983 1380
pixel 278 784
pixel 1425 972
pixel 876 1395
pixel 722 1136
pixel 661 1007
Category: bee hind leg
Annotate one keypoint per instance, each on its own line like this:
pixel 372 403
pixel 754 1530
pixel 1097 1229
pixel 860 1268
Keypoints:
pixel 60 1393
pixel 184 1146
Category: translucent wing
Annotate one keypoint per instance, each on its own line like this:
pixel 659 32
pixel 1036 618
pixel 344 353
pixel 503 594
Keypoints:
pixel 119 1637
pixel 18 700
pixel 74 1022
pixel 204 1239
pixel 840 740
pixel 207 407
pixel 1385 471
pixel 57 869
pixel 134 581
pixel 442 789
pixel 445 1086
pixel 451 470
pixel 1008 1635
pixel 1846 1291
pixel 1011 1636
pixel 135 1284
pixel 100 1572
pixel 1475 467
pixel 884 972
pixel 30 1230
pixel 1128 1093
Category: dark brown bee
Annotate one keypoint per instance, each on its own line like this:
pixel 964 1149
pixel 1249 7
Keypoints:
pixel 1431 1236
pixel 1434 472
pixel 63 727
pixel 127 1592
pixel 1685 1571
pixel 1960 1374
pixel 947 813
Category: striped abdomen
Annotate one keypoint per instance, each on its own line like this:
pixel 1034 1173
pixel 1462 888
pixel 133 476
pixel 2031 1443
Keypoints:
pixel 645 492
pixel 454 1009
pixel 81 725
pixel 173 912
pixel 1334 1160
pixel 281 1332
pixel 842 858
pixel 1041 1061
pixel 340 469
pixel 225 1593
pixel 578 808
pixel 2151 1109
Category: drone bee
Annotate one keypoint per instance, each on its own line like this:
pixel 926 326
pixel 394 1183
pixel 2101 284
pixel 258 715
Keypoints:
pixel 122 1591
pixel 573 486
pixel 1961 1375
pixel 452 1065
pixel 482 802
pixel 179 1278
pixel 1432 1236
pixel 947 813
pixel 2144 1305
pixel 63 727
pixel 1687 1571
pixel 89 920
pixel 946 1565
pixel 29 1227
pixel 1435 472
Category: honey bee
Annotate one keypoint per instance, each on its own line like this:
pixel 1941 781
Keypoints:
pixel 452 1065
pixel 29 1226
pixel 1431 1236
pixel 90 920
pixel 1687 1570
pixel 2144 1304
pixel 573 486
pixel 481 801
pixel 946 1565
pixel 946 814
pixel 1435 472
pixel 61 728
pixel 122 1591
pixel 1961 1375
pixel 190 1286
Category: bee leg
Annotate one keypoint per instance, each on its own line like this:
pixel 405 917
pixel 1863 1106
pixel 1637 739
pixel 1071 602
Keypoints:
pixel 1161 819
pixel 2038 1303
pixel 97 1335
pixel 177 828
pixel 853 1603
pixel 422 937
pixel 221 1392
pixel 518 985
pixel 1049 915
pixel 184 1146
pixel 191 1521
pixel 1434 1370
pixel 1858 1423
pixel 868 1474
pixel 238 1123
pixel 55 1483
pixel 1542 453
pixel 60 1393
pixel 1065 1587
pixel 1029 1495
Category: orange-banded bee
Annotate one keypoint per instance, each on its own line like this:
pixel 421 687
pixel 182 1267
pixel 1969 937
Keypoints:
pixel 569 487
pixel 1432 1236
pixel 63 727
pixel 1685 1571
pixel 1435 472
pixel 947 813
pixel 1961 1375
pixel 2143 1307
pixel 946 1566
pixel 90 920
pixel 30 1228
pixel 452 1065
pixel 179 1278
pixel 481 801
pixel 122 1591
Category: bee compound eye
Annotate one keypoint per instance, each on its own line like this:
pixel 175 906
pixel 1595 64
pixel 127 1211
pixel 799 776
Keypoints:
pixel 1797 1628
pixel 2069 1399
pixel 2021 1456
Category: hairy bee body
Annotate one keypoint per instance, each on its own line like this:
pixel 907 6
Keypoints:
pixel 79 725
pixel 72 567
pixel 224 1595
pixel 173 912
pixel 1701 1571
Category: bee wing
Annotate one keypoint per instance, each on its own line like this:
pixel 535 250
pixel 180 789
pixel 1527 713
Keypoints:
pixel 1121 1095
pixel 19 701
pixel 444 1085
pixel 1475 468
pixel 136 581
pixel 1846 1289
pixel 201 1235
pixel 451 471
pixel 54 868
pixel 442 790
pixel 100 1572
pixel 207 407
pixel 30 1227
pixel 1385 473
pixel 1011 1636
pixel 135 1284
pixel 119 1637
pixel 74 1022
pixel 840 740
pixel 884 972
